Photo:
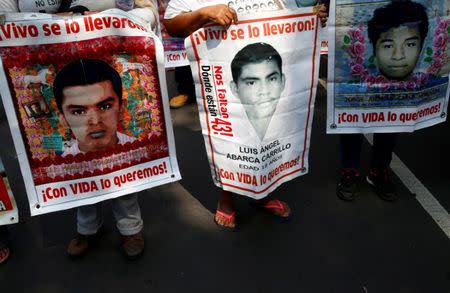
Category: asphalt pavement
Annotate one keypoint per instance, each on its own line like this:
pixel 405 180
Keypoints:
pixel 329 246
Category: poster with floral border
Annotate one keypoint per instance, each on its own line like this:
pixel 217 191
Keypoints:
pixel 389 64
pixel 8 207
pixel 86 102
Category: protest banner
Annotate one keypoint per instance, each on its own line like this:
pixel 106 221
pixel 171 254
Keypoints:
pixel 256 84
pixel 8 207
pixel 174 52
pixel 388 66
pixel 87 106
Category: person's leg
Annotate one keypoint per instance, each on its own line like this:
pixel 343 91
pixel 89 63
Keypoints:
pixel 4 244
pixel 350 177
pixel 383 146
pixel 183 77
pixel 127 214
pixel 225 215
pixel 129 223
pixel 350 150
pixel 89 221
pixel 185 87
pixel 379 174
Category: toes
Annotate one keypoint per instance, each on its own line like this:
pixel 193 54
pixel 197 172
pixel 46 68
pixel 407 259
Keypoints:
pixel 287 210
pixel 224 222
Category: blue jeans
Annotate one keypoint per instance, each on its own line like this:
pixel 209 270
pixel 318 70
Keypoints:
pixel 126 212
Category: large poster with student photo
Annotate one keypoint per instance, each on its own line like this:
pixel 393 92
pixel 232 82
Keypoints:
pixel 87 107
pixel 8 207
pixel 256 84
pixel 388 66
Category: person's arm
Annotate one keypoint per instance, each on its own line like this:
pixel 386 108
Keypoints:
pixel 186 23
pixel 323 14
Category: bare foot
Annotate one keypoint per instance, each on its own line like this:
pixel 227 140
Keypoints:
pixel 275 206
pixel 225 215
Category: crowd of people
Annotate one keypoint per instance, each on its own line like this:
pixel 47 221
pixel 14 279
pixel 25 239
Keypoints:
pixel 183 17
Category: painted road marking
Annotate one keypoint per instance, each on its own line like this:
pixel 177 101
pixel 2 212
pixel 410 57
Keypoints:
pixel 422 194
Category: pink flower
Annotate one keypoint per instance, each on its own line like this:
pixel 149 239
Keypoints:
pixel 356 35
pixel 439 56
pixel 370 79
pixel 434 68
pixel 356 49
pixel 438 63
pixel 356 69
pixel 385 87
pixel 441 27
pixel 410 84
pixel 440 41
pixel 422 79
pixel 380 79
pixel 358 60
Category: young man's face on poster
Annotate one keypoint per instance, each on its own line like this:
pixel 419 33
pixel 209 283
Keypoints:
pixel 259 88
pixel 397 51
pixel 92 113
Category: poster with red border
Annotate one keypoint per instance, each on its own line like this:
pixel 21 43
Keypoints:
pixel 86 102
pixel 256 85
pixel 8 207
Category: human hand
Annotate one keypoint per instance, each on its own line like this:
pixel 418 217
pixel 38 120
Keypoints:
pixel 220 14
pixel 90 12
pixel 64 13
pixel 323 14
